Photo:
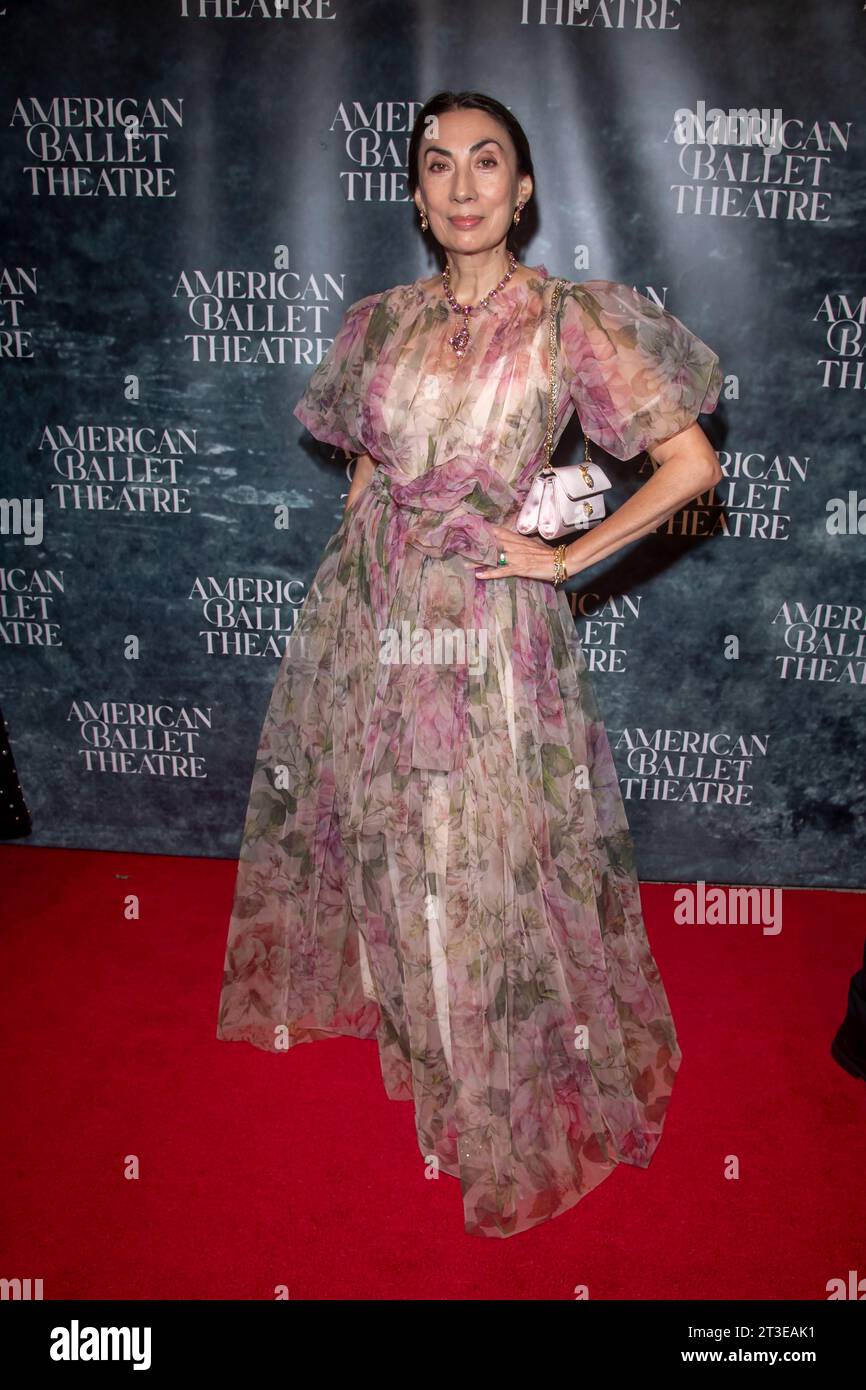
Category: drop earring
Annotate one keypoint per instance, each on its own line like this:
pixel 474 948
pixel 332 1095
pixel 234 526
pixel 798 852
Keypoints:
pixel 517 211
pixel 424 223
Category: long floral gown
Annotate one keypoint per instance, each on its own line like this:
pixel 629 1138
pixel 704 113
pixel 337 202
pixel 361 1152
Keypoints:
pixel 436 853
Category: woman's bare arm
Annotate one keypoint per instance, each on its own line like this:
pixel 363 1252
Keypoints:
pixel 363 472
pixel 688 467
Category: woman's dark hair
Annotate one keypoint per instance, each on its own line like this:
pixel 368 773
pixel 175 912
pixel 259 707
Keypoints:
pixel 477 101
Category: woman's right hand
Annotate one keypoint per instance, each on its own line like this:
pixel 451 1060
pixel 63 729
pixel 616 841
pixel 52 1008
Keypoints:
pixel 363 472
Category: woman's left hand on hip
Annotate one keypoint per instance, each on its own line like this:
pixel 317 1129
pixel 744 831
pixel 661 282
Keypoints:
pixel 528 557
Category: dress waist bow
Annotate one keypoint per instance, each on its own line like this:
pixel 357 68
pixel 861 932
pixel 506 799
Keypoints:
pixel 441 531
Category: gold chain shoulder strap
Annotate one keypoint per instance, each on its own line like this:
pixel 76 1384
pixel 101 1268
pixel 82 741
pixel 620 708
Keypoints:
pixel 553 387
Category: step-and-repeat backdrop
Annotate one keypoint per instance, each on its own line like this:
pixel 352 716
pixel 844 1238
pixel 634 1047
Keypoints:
pixel 193 193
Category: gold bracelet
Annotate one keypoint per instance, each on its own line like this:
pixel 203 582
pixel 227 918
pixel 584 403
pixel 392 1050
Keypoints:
pixel 560 574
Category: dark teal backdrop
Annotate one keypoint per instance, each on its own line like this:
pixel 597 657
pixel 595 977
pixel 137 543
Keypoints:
pixel 193 194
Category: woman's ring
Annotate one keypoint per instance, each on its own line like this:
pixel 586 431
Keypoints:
pixel 503 558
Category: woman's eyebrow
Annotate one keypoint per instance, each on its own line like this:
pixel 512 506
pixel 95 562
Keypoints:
pixel 440 149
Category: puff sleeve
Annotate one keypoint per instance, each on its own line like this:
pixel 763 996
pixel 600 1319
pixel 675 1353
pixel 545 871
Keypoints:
pixel 636 374
pixel 331 407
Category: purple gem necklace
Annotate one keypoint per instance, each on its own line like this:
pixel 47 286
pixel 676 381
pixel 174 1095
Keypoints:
pixel 460 340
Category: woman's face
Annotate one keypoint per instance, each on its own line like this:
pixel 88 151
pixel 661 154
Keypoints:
pixel 468 182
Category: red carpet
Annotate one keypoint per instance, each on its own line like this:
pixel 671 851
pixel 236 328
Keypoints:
pixel 258 1171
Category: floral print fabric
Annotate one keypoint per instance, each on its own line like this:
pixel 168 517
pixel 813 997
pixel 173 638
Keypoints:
pixel 436 853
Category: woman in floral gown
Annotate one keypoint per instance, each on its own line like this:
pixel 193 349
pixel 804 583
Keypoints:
pixel 436 853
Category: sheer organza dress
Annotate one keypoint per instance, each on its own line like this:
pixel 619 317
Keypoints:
pixel 436 853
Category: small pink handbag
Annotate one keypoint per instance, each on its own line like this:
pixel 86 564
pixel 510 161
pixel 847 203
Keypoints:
pixel 562 500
